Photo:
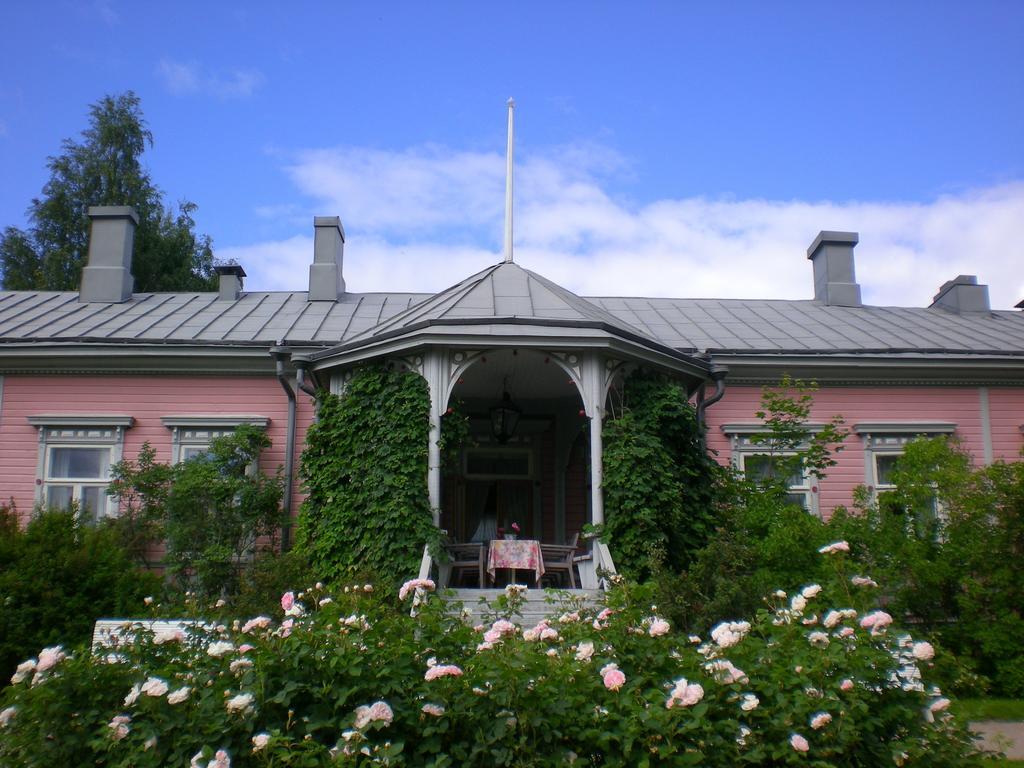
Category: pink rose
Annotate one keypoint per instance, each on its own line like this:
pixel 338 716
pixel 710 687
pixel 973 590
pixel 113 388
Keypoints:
pixel 924 651
pixel 259 741
pixel 846 685
pixel 49 658
pixel 799 743
pixel 820 720
pixel 442 670
pixel 684 694
pixel 939 705
pixel 658 628
pixel 613 677
pixel 287 601
pixel 378 712
pixel 876 622
pixel 286 627
pixel 831 549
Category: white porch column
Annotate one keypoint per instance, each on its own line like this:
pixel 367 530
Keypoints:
pixel 435 371
pixel 593 401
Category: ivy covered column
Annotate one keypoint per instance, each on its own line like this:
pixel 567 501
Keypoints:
pixel 593 376
pixel 435 371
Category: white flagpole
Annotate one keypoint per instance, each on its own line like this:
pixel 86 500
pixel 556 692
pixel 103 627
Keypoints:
pixel 508 186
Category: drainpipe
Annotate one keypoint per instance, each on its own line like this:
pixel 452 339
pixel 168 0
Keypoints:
pixel 280 355
pixel 718 374
pixel 310 386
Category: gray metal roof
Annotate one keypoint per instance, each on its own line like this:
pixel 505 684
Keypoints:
pixel 775 326
pixel 504 291
pixel 254 318
pixel 507 290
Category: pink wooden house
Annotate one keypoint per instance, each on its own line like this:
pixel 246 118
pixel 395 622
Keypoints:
pixel 86 377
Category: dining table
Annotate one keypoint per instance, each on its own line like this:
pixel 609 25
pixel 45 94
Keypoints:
pixel 515 555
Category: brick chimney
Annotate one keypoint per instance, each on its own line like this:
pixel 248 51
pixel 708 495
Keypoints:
pixel 835 283
pixel 107 276
pixel 326 282
pixel 962 294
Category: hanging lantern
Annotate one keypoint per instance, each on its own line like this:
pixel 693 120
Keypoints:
pixel 505 418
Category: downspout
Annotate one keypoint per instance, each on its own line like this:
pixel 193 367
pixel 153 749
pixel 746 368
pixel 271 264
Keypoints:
pixel 310 386
pixel 280 355
pixel 718 374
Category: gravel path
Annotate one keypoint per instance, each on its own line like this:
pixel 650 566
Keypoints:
pixel 1003 735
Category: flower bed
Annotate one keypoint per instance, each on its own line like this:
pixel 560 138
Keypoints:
pixel 356 676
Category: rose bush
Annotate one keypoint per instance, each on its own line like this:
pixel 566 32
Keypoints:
pixel 820 677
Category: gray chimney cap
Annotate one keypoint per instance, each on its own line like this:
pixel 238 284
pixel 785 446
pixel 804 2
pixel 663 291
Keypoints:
pixel 962 294
pixel 828 236
pixel 113 212
pixel 328 221
pixel 229 269
pixel 958 280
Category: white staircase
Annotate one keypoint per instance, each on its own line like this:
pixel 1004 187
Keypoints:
pixel 537 603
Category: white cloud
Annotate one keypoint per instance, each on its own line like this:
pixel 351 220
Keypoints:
pixel 189 78
pixel 423 218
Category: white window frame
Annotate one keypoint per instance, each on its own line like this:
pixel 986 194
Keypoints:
pixel 803 488
pixel 199 430
pixel 890 439
pixel 102 431
pixel 742 445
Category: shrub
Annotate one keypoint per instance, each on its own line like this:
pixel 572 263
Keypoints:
pixel 218 509
pixel 958 573
pixel 57 576
pixel 211 510
pixel 350 678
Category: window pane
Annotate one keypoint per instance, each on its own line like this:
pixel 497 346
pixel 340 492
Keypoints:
pixel 762 468
pixel 758 468
pixel 94 501
pixel 58 496
pixel 797 499
pixel 191 451
pixel 884 467
pixel 92 463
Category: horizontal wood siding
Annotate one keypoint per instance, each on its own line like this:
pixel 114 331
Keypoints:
pixel 1006 412
pixel 959 405
pixel 146 399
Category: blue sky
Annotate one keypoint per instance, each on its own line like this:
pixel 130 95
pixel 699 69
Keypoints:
pixel 662 148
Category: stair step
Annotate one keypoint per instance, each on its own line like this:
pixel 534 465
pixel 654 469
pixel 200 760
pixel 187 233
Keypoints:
pixel 535 607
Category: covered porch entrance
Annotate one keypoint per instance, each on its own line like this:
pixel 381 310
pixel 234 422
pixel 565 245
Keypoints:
pixel 530 365
pixel 523 469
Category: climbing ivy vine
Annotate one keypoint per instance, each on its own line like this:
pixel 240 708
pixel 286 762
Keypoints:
pixel 365 472
pixel 660 485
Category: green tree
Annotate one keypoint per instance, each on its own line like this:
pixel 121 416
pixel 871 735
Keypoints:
pixel 218 509
pixel 105 168
pixel 762 541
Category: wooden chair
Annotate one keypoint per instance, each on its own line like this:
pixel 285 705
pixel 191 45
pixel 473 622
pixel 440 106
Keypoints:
pixel 466 557
pixel 558 559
